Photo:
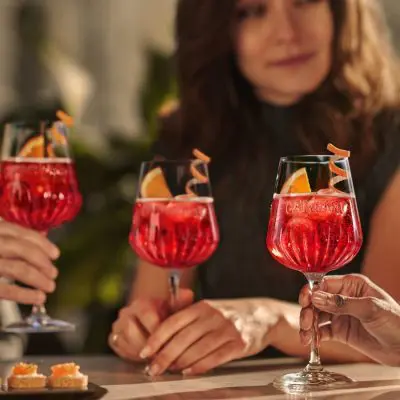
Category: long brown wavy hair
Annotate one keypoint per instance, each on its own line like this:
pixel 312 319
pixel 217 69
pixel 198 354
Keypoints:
pixel 218 107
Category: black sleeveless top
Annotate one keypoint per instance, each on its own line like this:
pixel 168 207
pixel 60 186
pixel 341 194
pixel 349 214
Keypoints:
pixel 242 266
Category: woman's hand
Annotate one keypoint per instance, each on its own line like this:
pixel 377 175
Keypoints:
pixel 138 321
pixel 357 312
pixel 26 256
pixel 208 334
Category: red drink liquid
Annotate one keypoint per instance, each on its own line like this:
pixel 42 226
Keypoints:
pixel 40 194
pixel 314 233
pixel 173 233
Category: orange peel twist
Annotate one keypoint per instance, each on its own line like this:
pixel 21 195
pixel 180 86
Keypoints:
pixel 65 118
pixel 341 174
pixel 198 177
pixel 57 135
pixel 55 130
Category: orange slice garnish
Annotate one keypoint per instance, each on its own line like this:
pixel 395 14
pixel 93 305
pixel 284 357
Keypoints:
pixel 24 369
pixel 198 177
pixel 35 148
pixel 154 185
pixel 60 370
pixel 341 174
pixel 297 183
pixel 65 118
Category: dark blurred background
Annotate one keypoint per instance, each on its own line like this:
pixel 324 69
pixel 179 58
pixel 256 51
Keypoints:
pixel 109 64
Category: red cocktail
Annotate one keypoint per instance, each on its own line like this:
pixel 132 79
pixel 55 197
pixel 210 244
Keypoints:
pixel 174 234
pixel 174 225
pixel 40 194
pixel 314 233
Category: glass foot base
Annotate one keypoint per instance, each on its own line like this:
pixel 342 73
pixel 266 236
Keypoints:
pixel 311 381
pixel 32 325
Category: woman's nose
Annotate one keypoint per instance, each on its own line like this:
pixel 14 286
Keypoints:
pixel 282 26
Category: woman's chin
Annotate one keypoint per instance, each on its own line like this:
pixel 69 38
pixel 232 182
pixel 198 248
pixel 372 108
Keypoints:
pixel 290 96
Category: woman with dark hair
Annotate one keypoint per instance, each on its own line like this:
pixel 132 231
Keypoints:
pixel 259 79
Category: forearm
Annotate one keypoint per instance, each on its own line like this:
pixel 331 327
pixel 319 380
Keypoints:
pixel 270 322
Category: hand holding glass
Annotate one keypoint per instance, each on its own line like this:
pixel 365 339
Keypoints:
pixel 39 191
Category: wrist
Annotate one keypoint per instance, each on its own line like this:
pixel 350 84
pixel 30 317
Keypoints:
pixel 284 335
pixel 253 319
pixel 389 356
pixel 276 331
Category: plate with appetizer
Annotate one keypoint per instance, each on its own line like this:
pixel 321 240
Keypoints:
pixel 63 381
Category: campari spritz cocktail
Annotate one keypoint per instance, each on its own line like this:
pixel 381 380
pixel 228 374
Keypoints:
pixel 39 190
pixel 314 228
pixel 174 224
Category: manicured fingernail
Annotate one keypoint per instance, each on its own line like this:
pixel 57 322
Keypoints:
pixel 145 353
pixel 55 252
pixel 154 370
pixel 51 287
pixel 173 367
pixel 319 299
pixel 300 298
pixel 40 298
pixel 187 371
pixel 54 273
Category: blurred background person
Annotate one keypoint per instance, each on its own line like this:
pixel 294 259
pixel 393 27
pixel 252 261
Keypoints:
pixel 109 63
pixel 258 83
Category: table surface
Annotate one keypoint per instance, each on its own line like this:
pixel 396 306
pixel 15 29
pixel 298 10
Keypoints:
pixel 244 380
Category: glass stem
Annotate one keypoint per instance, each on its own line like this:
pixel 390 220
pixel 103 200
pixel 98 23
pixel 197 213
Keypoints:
pixel 39 316
pixel 314 364
pixel 174 283
pixel 39 310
